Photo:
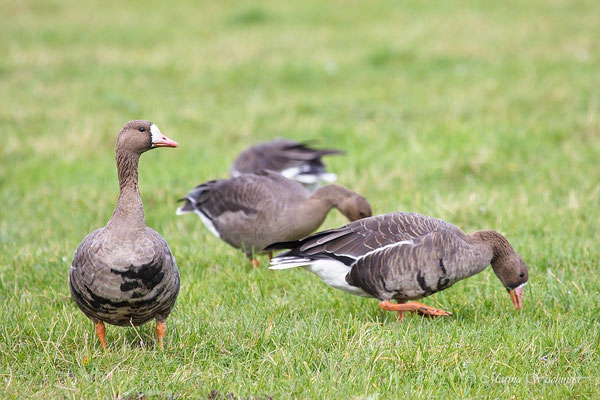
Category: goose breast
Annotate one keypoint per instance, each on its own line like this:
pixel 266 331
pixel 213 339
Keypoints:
pixel 124 282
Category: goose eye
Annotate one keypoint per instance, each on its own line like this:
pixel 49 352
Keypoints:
pixel 521 275
pixel 142 129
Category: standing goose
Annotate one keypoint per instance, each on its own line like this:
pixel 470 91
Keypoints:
pixel 253 210
pixel 124 273
pixel 293 160
pixel 403 256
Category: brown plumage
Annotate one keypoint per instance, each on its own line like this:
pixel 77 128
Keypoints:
pixel 124 273
pixel 293 160
pixel 253 210
pixel 403 256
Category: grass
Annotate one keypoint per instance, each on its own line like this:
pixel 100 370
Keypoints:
pixel 483 114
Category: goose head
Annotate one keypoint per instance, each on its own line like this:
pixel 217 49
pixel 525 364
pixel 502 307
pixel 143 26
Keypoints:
pixel 512 272
pixel 351 204
pixel 507 264
pixel 139 136
pixel 354 206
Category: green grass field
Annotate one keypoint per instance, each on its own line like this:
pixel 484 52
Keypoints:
pixel 483 114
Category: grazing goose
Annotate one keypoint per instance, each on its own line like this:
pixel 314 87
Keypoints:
pixel 293 160
pixel 403 256
pixel 254 210
pixel 124 273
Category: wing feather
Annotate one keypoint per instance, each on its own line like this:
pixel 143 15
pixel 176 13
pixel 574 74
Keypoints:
pixel 365 235
pixel 279 155
pixel 245 194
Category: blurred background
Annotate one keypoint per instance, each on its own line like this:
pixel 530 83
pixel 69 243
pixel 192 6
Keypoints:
pixel 453 109
pixel 485 114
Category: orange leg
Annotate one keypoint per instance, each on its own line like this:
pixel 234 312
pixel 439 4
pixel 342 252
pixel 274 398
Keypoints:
pixel 412 306
pixel 100 332
pixel 255 263
pixel 270 255
pixel 160 332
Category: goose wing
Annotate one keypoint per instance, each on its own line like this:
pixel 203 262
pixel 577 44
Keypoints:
pixel 361 237
pixel 241 198
pixel 398 255
pixel 282 155
pixel 412 268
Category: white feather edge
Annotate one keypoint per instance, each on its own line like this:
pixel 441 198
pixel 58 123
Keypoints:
pixel 208 223
pixel 387 246
pixel 181 212
pixel 289 262
pixel 291 173
pixel 297 174
pixel 205 220
pixel 328 177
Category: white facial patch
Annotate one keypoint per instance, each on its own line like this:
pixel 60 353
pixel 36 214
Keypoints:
pixel 156 133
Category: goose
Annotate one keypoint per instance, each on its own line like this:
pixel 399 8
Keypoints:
pixel 293 160
pixel 253 210
pixel 403 256
pixel 124 273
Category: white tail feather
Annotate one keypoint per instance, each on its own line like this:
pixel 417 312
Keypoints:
pixel 328 177
pixel 289 262
pixel 180 211
pixel 208 223
pixel 332 272
pixel 307 179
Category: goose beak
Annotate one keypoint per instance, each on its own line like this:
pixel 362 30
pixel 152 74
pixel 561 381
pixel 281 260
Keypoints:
pixel 163 141
pixel 515 296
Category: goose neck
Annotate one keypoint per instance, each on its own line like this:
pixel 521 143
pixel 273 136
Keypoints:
pixel 129 212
